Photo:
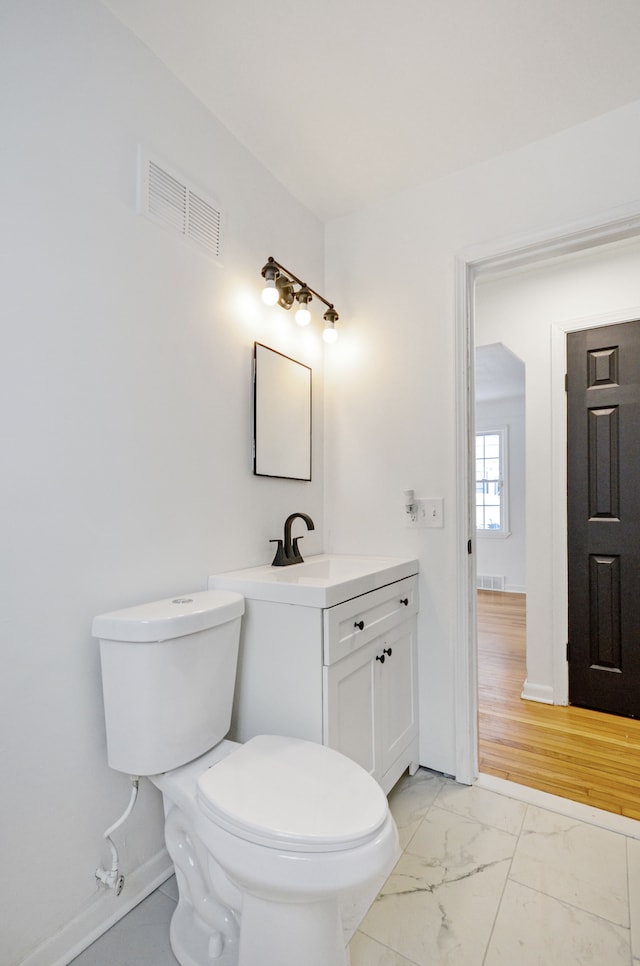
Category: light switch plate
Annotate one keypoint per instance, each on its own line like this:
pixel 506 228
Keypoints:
pixel 428 513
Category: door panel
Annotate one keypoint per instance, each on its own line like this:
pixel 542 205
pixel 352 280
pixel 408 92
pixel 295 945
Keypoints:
pixel 349 710
pixel 603 505
pixel 398 686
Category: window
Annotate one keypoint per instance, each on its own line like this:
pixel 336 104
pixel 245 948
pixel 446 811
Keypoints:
pixel 491 488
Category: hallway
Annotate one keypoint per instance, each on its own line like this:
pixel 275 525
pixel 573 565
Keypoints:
pixel 571 752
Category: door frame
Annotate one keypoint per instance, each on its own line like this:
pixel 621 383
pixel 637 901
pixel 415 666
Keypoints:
pixel 469 264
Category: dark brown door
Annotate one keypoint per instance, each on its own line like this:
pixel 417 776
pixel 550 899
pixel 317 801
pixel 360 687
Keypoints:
pixel 603 475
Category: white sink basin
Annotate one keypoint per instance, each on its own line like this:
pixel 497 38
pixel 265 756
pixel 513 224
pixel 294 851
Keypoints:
pixel 321 581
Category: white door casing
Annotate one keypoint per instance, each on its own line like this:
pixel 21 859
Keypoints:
pixel 491 258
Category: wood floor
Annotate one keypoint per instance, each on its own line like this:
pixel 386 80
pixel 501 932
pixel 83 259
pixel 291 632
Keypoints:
pixel 571 752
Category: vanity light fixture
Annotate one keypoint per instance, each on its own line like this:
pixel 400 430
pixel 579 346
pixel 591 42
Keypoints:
pixel 280 289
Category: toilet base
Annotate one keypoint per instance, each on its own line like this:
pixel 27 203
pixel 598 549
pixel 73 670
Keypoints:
pixel 215 924
pixel 272 935
pixel 193 944
pixel 244 904
pixel 289 934
pixel 204 928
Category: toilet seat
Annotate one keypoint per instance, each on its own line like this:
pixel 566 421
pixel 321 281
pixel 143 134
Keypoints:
pixel 292 794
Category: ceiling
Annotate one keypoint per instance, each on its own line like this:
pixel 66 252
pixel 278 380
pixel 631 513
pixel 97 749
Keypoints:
pixel 499 373
pixel 350 101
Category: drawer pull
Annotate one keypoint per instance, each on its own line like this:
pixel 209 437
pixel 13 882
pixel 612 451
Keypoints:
pixel 359 625
pixel 405 601
pixel 387 650
pixel 380 657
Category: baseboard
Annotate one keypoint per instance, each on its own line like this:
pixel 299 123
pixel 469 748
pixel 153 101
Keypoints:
pixel 102 913
pixel 537 692
pixel 515 589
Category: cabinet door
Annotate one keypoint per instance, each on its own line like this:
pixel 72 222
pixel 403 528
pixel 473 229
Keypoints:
pixel 397 693
pixel 349 710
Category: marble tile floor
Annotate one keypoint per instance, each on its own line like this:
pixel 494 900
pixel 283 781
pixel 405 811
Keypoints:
pixel 485 879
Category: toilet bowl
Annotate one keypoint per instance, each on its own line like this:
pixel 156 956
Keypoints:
pixel 254 831
pixel 279 845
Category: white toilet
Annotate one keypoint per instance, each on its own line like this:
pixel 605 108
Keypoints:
pixel 280 845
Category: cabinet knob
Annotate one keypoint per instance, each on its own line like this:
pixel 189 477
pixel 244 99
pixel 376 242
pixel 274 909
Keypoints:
pixel 387 650
pixel 405 601
pixel 359 625
pixel 380 657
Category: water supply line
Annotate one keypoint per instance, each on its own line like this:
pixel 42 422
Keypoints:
pixel 112 877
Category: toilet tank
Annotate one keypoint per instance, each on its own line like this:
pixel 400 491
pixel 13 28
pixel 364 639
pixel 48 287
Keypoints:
pixel 168 676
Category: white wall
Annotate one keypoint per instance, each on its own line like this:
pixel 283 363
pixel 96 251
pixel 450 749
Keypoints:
pixel 525 307
pixel 126 405
pixel 391 390
pixel 127 402
pixel 500 556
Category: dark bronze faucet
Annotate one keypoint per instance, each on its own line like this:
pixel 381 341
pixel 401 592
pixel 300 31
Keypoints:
pixel 289 553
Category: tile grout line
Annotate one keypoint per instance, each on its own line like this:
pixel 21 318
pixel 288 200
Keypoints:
pixel 504 887
pixel 431 805
pixel 631 931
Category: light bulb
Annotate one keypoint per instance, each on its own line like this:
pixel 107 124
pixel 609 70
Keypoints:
pixel 329 333
pixel 270 294
pixel 303 297
pixel 303 315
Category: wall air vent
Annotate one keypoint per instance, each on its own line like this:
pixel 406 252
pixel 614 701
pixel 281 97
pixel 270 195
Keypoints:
pixel 489 582
pixel 167 198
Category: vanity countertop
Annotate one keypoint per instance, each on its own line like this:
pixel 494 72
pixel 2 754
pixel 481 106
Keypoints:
pixel 322 580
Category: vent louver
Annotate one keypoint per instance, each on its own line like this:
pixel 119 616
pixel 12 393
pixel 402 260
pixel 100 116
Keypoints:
pixel 489 582
pixel 204 224
pixel 167 198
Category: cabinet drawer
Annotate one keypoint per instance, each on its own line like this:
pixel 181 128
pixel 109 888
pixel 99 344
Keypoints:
pixel 354 623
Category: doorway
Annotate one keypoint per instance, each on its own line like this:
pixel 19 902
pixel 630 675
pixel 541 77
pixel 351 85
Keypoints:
pixel 546 666
pixel 500 460
pixel 500 549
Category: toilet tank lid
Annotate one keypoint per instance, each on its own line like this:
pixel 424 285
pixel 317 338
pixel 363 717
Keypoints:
pixel 173 617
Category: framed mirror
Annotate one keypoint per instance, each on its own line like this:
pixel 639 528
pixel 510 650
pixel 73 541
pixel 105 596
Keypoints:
pixel 281 415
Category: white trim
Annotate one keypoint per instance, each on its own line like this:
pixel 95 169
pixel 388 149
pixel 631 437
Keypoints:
pixel 517 252
pixel 614 225
pixel 465 646
pixel 543 693
pixel 104 911
pixel 559 584
pixel 561 806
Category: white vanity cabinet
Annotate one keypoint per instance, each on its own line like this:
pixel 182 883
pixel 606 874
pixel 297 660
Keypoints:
pixel 370 703
pixel 370 681
pixel 344 675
